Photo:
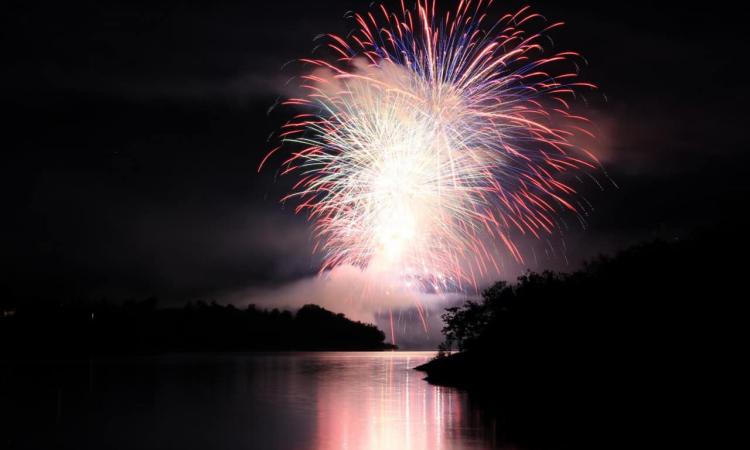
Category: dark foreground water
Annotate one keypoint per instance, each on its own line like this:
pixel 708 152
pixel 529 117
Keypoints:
pixel 295 401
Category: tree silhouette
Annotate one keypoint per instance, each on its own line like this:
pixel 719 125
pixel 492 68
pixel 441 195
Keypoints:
pixel 80 328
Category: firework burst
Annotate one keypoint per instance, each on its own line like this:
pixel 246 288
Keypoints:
pixel 429 138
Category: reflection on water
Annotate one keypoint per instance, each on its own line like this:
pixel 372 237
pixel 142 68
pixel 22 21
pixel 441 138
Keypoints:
pixel 237 401
pixel 379 403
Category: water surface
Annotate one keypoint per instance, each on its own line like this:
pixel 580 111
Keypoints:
pixel 326 400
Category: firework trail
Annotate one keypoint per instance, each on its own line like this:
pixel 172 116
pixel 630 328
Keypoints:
pixel 429 138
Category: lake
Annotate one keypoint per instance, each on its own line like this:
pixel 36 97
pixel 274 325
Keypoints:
pixel 322 400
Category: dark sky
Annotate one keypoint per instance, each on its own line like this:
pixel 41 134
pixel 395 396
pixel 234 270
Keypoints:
pixel 132 133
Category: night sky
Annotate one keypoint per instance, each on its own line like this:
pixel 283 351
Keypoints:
pixel 132 134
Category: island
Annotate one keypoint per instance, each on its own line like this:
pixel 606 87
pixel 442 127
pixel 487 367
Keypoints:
pixel 628 346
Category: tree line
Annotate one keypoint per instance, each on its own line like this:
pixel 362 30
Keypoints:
pixel 36 329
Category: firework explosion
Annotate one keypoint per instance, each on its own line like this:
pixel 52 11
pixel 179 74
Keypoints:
pixel 429 138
